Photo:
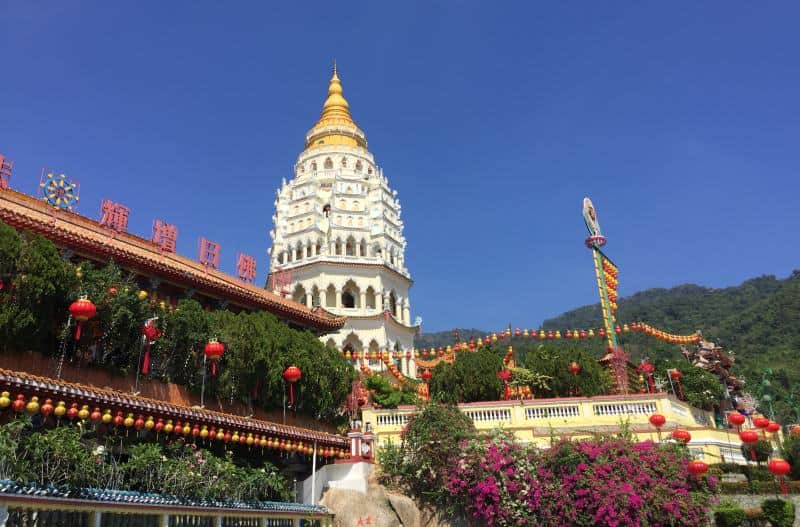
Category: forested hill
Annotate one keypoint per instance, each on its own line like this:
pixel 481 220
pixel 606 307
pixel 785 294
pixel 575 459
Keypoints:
pixel 759 320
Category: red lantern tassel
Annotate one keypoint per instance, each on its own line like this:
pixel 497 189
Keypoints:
pixel 291 394
pixel 78 332
pixel 213 368
pixel 784 487
pixel 753 453
pixel 146 361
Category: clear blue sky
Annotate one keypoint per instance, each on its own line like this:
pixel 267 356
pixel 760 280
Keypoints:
pixel 681 121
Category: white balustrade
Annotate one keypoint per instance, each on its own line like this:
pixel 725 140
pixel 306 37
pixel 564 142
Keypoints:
pixel 489 415
pixel 550 412
pixel 644 408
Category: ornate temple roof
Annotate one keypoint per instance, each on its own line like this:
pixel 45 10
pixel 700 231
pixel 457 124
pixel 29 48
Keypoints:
pixel 87 237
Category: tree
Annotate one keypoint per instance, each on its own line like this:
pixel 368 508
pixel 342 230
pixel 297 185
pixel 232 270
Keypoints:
pixel 553 362
pixel 387 396
pixel 471 377
pixel 431 442
pixel 700 388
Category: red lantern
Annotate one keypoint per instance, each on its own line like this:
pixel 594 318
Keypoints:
pixel 292 374
pixel 47 407
pixel 426 375
pixel 697 467
pixel 795 430
pixel 749 437
pixel 779 468
pixel 118 419
pixel 72 413
pixel 504 375
pixel 736 419
pixel 408 355
pixel 151 333
pixel 760 422
pixel 96 416
pixel 213 351
pixel 676 375
pixel 657 420
pixel 82 310
pixel 138 424
pixel 681 435
pixel 19 403
pixel 574 368
pixel 773 427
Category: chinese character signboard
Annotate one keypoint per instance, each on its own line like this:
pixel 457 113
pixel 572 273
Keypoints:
pixel 246 267
pixel 164 235
pixel 5 172
pixel 209 253
pixel 114 215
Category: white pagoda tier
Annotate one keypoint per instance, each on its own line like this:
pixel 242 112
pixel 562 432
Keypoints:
pixel 337 240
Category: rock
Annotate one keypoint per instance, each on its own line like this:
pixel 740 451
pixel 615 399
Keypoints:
pixel 406 510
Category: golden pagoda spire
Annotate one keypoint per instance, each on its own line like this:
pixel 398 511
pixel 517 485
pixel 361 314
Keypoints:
pixel 335 125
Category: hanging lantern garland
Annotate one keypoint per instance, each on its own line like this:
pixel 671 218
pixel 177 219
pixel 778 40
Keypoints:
pixel 82 310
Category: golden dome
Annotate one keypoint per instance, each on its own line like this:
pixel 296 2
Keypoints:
pixel 335 125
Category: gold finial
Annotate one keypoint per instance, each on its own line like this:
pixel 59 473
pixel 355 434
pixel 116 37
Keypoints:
pixel 335 125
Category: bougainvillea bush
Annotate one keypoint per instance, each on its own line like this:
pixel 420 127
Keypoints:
pixel 606 481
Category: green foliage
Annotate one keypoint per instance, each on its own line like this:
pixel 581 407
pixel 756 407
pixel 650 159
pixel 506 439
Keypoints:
pixel 762 448
pixel 387 396
pixel 259 348
pixel 471 377
pixel 431 443
pixel 553 361
pixel 537 382
pixel 35 285
pixel 780 513
pixel 701 388
pixel 182 470
pixel 60 456
pixel 790 450
pixel 56 457
pixel 729 514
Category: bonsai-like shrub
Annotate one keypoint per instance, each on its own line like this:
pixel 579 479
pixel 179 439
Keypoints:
pixel 780 513
pixel 729 514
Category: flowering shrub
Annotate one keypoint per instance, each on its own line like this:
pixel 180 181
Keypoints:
pixel 607 481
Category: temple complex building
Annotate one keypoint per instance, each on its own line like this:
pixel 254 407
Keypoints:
pixel 337 241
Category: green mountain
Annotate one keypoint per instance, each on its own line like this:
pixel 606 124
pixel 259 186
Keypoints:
pixel 759 321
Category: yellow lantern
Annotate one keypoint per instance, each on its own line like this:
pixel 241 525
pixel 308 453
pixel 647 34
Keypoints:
pixel 558 334
pixel 149 423
pixel 128 422
pixel 625 328
pixel 591 333
pixel 142 295
pixel 542 334
pixel 250 440
pixel 235 437
pixel 494 337
pixel 84 413
pixel 60 409
pixel 525 333
pixel 5 400
pixel 169 426
pixel 204 432
pixel 33 405
pixel 187 428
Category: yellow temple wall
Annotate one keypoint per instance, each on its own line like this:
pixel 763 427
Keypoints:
pixel 539 420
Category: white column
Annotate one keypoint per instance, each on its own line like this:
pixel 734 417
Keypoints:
pixel 363 300
pixel 406 313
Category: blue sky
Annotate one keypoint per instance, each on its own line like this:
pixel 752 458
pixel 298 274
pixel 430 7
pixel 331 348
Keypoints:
pixel 491 119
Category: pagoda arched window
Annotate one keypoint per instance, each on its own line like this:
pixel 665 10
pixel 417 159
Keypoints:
pixel 328 164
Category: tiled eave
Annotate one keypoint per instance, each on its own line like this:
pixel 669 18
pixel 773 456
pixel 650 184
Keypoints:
pixel 45 387
pixel 86 236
